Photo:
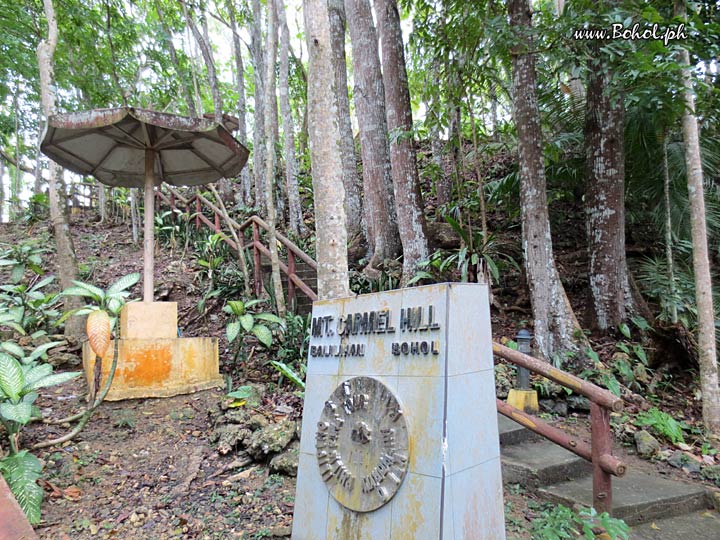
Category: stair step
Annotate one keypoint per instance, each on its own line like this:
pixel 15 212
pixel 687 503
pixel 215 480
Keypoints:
pixel 513 433
pixel 703 525
pixel 637 497
pixel 540 463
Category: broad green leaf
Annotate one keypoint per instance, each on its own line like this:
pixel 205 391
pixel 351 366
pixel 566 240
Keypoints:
pixel 7 262
pixel 92 289
pixel 233 329
pixel 16 412
pixel 288 372
pixel 79 291
pixel 17 273
pixel 114 305
pixel 251 303
pixel 458 229
pixel 494 272
pixel 418 276
pixel 263 334
pixel 247 321
pixel 237 307
pixel 625 330
pixel 243 392
pixel 13 348
pixel 40 351
pixel 42 283
pixel 52 380
pixel 38 372
pixel 11 376
pixel 124 283
pixel 21 472
pixel 15 326
pixel 78 312
pixel 270 317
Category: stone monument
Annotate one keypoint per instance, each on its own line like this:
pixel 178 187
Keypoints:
pixel 399 434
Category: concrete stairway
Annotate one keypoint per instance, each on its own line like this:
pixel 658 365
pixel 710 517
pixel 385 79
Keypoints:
pixel 655 508
pixel 303 305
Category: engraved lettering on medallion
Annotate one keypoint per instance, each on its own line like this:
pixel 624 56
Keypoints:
pixel 361 439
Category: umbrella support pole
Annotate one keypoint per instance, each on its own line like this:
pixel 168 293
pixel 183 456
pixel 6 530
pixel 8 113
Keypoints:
pixel 149 232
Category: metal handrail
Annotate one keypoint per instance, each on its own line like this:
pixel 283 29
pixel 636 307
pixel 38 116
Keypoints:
pixel 602 402
pixel 259 249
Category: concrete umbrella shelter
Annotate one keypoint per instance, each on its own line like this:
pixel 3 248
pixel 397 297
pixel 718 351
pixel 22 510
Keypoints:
pixel 140 148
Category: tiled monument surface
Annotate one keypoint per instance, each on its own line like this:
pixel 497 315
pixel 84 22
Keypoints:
pixel 428 354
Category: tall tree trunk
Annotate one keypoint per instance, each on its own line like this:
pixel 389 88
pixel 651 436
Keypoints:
pixel 556 328
pixel 369 95
pixel 37 188
pixel 67 264
pixel 668 232
pixel 182 76
pixel 351 177
pixel 2 191
pixel 207 55
pixel 611 301
pixel 325 153
pixel 406 184
pixel 16 184
pixel 134 216
pixel 297 225
pixel 102 202
pixel 259 133
pixel 270 110
pixel 241 104
pixel 707 354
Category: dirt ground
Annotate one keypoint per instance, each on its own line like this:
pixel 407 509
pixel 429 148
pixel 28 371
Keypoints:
pixel 147 469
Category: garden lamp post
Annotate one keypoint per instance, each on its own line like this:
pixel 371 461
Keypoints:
pixel 523 397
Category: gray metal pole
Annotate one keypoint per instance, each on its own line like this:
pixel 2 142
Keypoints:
pixel 523 339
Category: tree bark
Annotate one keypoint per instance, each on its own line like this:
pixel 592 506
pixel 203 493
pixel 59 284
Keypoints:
pixel 259 133
pixel 326 154
pixel 383 235
pixel 270 111
pixel 245 180
pixel 297 225
pixel 2 191
pixel 555 326
pixel 66 261
pixel 668 233
pixel 611 301
pixel 351 177
pixel 16 182
pixel 406 184
pixel 209 63
pixel 707 353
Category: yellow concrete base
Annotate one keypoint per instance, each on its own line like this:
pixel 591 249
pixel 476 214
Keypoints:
pixel 525 400
pixel 158 367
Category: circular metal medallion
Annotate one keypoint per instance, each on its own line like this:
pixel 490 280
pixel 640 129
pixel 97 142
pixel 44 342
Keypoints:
pixel 362 444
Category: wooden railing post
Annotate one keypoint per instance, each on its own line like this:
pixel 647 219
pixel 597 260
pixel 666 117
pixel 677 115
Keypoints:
pixel 601 445
pixel 291 274
pixel 256 260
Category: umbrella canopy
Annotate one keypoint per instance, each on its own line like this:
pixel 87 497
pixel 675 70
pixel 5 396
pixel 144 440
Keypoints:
pixel 140 148
pixel 111 145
